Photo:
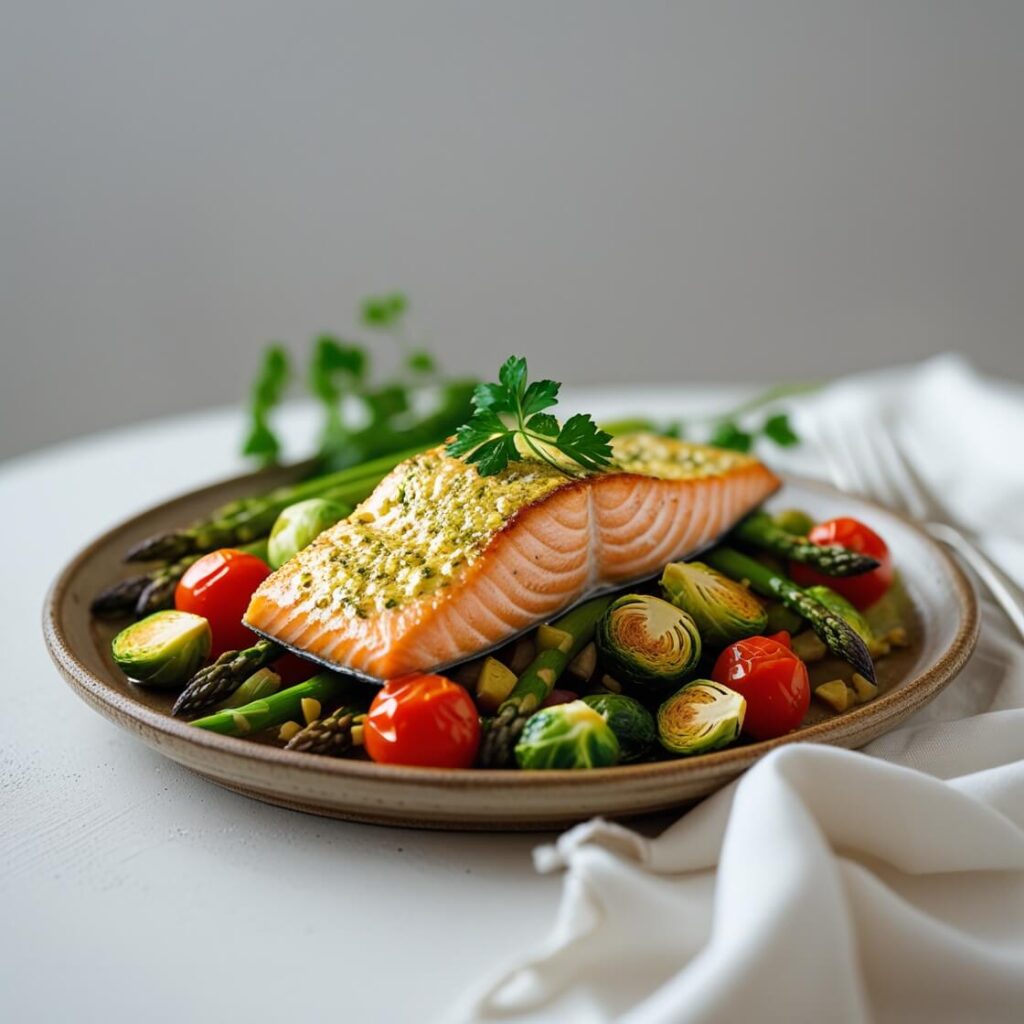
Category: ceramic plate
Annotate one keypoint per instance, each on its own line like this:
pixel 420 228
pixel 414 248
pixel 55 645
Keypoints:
pixel 944 631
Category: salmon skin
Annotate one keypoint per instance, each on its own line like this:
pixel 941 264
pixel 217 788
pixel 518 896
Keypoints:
pixel 440 564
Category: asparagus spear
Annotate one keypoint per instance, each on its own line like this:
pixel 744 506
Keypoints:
pixel 242 522
pixel 537 681
pixel 330 736
pixel 120 598
pixel 759 531
pixel 154 590
pixel 212 684
pixel 834 632
pixel 277 708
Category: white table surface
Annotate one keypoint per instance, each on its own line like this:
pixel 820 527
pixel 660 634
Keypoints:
pixel 131 887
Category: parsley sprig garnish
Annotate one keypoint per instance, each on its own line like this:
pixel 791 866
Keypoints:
pixel 509 418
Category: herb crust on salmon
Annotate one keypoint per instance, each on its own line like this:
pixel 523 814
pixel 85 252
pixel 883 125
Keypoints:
pixel 441 563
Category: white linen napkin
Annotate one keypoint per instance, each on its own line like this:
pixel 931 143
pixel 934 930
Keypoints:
pixel 826 885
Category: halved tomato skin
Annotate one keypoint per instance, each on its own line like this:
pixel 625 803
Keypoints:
pixel 218 587
pixel 861 591
pixel 422 720
pixel 772 680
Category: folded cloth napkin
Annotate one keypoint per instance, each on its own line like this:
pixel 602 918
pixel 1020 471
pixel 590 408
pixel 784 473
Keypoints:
pixel 827 885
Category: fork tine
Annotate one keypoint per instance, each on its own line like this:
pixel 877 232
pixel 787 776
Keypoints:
pixel 887 487
pixel 849 471
pixel 915 495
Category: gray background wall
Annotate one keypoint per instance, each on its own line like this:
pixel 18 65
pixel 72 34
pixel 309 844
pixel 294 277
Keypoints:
pixel 626 192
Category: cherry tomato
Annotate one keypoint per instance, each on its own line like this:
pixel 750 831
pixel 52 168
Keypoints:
pixel 559 697
pixel 422 720
pixel 771 678
pixel 292 669
pixel 218 586
pixel 861 591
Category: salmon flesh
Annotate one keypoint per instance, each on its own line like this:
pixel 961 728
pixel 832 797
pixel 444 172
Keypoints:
pixel 440 564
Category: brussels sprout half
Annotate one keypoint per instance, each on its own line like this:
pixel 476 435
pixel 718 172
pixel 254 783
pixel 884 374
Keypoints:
pixel 631 722
pixel 648 641
pixel 702 716
pixel 724 610
pixel 163 649
pixel 570 735
pixel 299 525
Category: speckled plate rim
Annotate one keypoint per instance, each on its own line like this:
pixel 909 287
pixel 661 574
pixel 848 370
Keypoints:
pixel 896 704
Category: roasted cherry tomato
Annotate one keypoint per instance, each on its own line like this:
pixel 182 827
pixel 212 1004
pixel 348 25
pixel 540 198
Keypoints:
pixel 422 720
pixel 218 587
pixel 292 669
pixel 772 679
pixel 861 591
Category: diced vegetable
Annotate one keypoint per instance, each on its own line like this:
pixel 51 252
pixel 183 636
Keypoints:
pixel 864 688
pixel 567 736
pixel 648 641
pixel 864 590
pixel 260 684
pixel 807 646
pixel 773 680
pixel 835 693
pixel 702 716
pixel 422 720
pixel 723 609
pixel 551 638
pixel 162 650
pixel 584 664
pixel 840 695
pixel 631 722
pixel 536 681
pixel 299 525
pixel 494 683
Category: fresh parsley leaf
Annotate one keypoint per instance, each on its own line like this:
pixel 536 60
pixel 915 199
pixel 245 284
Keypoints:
pixel 335 367
pixel 493 456
pixel 421 362
pixel 541 394
pixel 267 391
pixel 513 377
pixel 384 312
pixel 582 440
pixel 482 427
pixel 543 423
pixel 490 443
pixel 727 434
pixel 780 430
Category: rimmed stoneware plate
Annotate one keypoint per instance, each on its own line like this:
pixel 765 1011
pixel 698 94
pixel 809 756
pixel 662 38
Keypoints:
pixel 944 631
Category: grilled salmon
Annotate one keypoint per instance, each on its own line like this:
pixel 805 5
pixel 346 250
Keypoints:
pixel 440 564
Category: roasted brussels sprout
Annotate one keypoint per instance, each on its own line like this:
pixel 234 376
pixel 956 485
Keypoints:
pixel 794 520
pixel 163 649
pixel 648 641
pixel 724 610
pixel 299 525
pixel 631 722
pixel 567 736
pixel 702 716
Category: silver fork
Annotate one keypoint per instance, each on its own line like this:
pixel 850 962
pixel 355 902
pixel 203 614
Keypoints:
pixel 869 461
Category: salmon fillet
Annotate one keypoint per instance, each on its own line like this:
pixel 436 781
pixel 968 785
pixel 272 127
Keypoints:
pixel 440 564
